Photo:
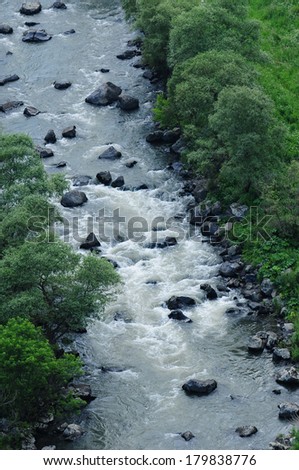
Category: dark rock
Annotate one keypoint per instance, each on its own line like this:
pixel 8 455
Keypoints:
pixel 276 391
pixel 234 250
pixel 11 78
pixel 104 177
pixel 246 431
pixel 209 229
pixel 288 411
pixel 62 85
pixel 90 242
pixel 229 269
pixel 83 391
pixel 111 261
pixel 136 42
pixel 271 340
pixel 255 344
pixel 30 8
pixel 59 5
pixel 179 315
pixel 110 153
pixel 200 190
pixel 287 377
pixel 238 210
pixel 39 35
pixel 72 432
pixel 211 293
pixel 30 111
pixel 168 241
pixel 104 95
pixel 105 70
pixel 171 136
pixel 176 303
pixel 155 137
pixel 118 182
pixel 112 369
pixel 233 311
pixel 61 164
pixel 148 75
pixel 9 53
pixel 267 288
pixel 73 198
pixel 70 31
pixel 9 105
pixel 178 147
pixel 281 354
pixel 44 152
pixel 196 217
pixel 187 435
pixel 140 187
pixel 69 132
pixel 131 163
pixel 199 387
pixel 129 54
pixel 30 24
pixel 5 29
pixel 81 180
pixel 50 137
pixel 128 103
pixel 138 64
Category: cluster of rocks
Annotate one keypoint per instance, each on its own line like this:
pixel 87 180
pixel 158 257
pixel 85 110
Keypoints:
pixel 105 178
pixel 108 93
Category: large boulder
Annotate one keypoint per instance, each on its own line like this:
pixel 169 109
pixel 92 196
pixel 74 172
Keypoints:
pixel 5 29
pixel 199 387
pixel 9 105
pixel 50 137
pixel 287 377
pixel 30 8
pixel 179 316
pixel 10 78
pixel 104 177
pixel 73 198
pixel 246 431
pixel 288 411
pixel 30 111
pixel 128 103
pixel 90 242
pixel 38 35
pixel 110 154
pixel 104 95
pixel 281 355
pixel 119 182
pixel 69 132
pixel 210 292
pixel 155 137
pixel 179 302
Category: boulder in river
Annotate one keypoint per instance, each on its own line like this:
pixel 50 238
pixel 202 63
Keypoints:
pixel 211 293
pixel 44 152
pixel 246 431
pixel 255 344
pixel 179 302
pixel 59 5
pixel 199 387
pixel 281 355
pixel 72 432
pixel 73 198
pixel 38 35
pixel 128 54
pixel 104 177
pixel 287 377
pixel 131 163
pixel 155 137
pixel 30 8
pixel 69 132
pixel 230 269
pixel 5 29
pixel 90 242
pixel 104 95
pixel 83 180
pixel 179 316
pixel 50 137
pixel 10 78
pixel 128 103
pixel 267 288
pixel 119 182
pixel 30 111
pixel 288 410
pixel 187 435
pixel 82 391
pixel 62 85
pixel 9 105
pixel 110 154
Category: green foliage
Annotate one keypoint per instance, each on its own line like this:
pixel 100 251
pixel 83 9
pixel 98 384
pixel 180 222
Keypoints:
pixel 52 286
pixel 295 445
pixel 31 378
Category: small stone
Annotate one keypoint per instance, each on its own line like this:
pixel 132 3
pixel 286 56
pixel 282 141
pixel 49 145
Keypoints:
pixel 179 316
pixel 90 242
pixel 131 163
pixel 61 164
pixel 199 387
pixel 118 182
pixel 30 111
pixel 69 132
pixel 178 302
pixel 59 5
pixel 104 70
pixel 5 29
pixel 246 431
pixel 70 31
pixel 36 36
pixel 187 435
pixel 110 153
pixel 44 152
pixel 62 85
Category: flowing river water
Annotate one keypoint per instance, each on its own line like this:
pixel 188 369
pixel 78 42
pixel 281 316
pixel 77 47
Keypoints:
pixel 142 406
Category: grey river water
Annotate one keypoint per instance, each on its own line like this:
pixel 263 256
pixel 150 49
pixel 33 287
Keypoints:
pixel 142 407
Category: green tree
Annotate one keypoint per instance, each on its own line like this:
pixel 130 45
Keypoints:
pixel 54 287
pixel 31 378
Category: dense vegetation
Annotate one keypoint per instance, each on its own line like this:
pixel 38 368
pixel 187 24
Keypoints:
pixel 47 290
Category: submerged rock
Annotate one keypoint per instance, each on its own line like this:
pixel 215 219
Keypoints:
pixel 90 242
pixel 199 387
pixel 179 315
pixel 30 8
pixel 176 303
pixel 110 154
pixel 246 431
pixel 104 95
pixel 10 78
pixel 73 198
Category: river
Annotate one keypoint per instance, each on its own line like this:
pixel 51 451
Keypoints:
pixel 143 406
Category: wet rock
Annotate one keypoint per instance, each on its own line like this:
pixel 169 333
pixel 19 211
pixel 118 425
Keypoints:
pixel 118 182
pixel 177 303
pixel 59 5
pixel 62 85
pixel 179 316
pixel 281 354
pixel 129 54
pixel 50 137
pixel 271 340
pixel 30 8
pixel 255 344
pixel 148 75
pixel 234 250
pixel 178 147
pixel 267 288
pixel 276 391
pixel 39 35
pixel 112 369
pixel 9 53
pixel 131 163
pixel 10 78
pixel 288 410
pixel 136 42
pixel 168 241
pixel 104 177
pixel 288 328
pixel 128 103
pixel 10 105
pixel 73 198
pixel 288 377
pixel 44 152
pixel 155 137
pixel 187 435
pixel 69 132
pixel 199 387
pixel 72 432
pixel 61 164
pixel 90 242
pixel 171 136
pixel 211 293
pixel 83 180
pixel 30 111
pixel 104 95
pixel 238 210
pixel 110 154
pixel 70 31
pixel 230 269
pixel 209 229
pixel 83 391
pixel 111 261
pixel 200 190
pixel 233 312
pixel 104 70
pixel 5 29
pixel 140 187
pixel 246 431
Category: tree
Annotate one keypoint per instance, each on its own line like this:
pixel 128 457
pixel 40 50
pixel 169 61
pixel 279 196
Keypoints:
pixel 52 286
pixel 30 375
